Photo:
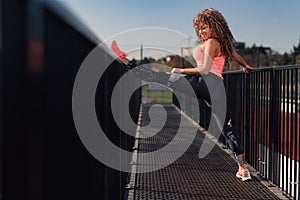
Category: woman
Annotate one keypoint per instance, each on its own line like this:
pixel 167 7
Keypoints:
pixel 217 46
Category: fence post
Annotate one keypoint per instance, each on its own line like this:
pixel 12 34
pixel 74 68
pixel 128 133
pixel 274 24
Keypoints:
pixel 274 126
pixel 247 111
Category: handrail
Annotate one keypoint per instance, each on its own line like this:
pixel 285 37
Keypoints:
pixel 264 69
pixel 64 13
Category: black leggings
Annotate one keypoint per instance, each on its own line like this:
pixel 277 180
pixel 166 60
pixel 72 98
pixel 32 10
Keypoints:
pixel 199 85
pixel 202 92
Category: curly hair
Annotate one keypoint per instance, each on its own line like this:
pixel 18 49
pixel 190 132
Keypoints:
pixel 219 29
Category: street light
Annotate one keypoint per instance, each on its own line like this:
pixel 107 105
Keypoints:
pixel 258 50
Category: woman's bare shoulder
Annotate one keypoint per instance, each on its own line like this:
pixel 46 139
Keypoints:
pixel 213 45
pixel 213 41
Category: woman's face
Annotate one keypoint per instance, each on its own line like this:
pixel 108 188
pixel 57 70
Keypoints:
pixel 204 31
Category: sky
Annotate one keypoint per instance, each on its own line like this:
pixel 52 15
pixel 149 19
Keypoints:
pixel 166 26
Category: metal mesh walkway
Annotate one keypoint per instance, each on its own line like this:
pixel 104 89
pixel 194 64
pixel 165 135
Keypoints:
pixel 190 177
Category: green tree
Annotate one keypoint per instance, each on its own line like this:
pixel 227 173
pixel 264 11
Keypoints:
pixel 286 59
pixel 296 53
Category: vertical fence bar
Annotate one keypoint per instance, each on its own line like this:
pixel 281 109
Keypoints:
pixel 273 134
pixel 290 136
pixel 1 109
pixel 292 144
pixel 257 121
pixel 277 131
pixel 262 122
pixel 267 144
pixel 252 122
pixel 288 133
pixel 265 122
pixel 244 108
pixel 285 131
pixel 247 101
pixel 239 108
pixel 277 117
pixel 36 126
pixel 294 127
pixel 283 150
pixel 271 130
pixel 266 132
pixel 296 161
pixel 249 131
pixel 280 165
pixel 260 125
pixel 290 114
pixel 254 149
pixel 13 99
pixel 256 91
pixel 265 116
pixel 297 123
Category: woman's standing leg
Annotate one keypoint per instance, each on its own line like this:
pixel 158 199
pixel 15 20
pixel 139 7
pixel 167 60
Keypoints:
pixel 235 145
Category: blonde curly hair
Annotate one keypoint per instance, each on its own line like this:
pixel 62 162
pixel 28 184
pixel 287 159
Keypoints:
pixel 219 29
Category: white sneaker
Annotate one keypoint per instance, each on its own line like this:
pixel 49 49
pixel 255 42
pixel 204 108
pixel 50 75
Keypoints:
pixel 244 174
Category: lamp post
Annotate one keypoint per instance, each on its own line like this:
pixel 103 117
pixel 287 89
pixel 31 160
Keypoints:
pixel 259 50
pixel 182 56
pixel 189 38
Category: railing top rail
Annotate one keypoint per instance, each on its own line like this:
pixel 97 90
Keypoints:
pixel 66 15
pixel 263 69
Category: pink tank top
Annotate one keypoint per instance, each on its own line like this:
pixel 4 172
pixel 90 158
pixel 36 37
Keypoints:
pixel 218 62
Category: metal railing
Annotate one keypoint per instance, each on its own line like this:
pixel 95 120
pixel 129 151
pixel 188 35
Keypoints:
pixel 41 155
pixel 265 108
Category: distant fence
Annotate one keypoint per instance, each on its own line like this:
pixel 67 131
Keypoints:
pixel 265 107
pixel 41 155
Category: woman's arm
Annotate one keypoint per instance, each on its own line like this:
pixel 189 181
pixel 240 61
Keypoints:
pixel 242 62
pixel 192 71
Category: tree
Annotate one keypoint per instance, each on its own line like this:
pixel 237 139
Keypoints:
pixel 298 59
pixel 286 59
pixel 254 55
pixel 296 53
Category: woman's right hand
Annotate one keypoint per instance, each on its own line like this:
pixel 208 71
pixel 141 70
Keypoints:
pixel 248 69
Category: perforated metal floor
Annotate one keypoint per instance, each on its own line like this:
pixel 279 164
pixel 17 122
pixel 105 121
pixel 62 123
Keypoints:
pixel 190 177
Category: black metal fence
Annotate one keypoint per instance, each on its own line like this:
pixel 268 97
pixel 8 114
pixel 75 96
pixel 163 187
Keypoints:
pixel 265 107
pixel 267 112
pixel 41 155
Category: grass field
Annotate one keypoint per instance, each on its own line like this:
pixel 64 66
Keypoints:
pixel 157 96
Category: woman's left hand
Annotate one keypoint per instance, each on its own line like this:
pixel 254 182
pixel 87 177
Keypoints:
pixel 176 70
